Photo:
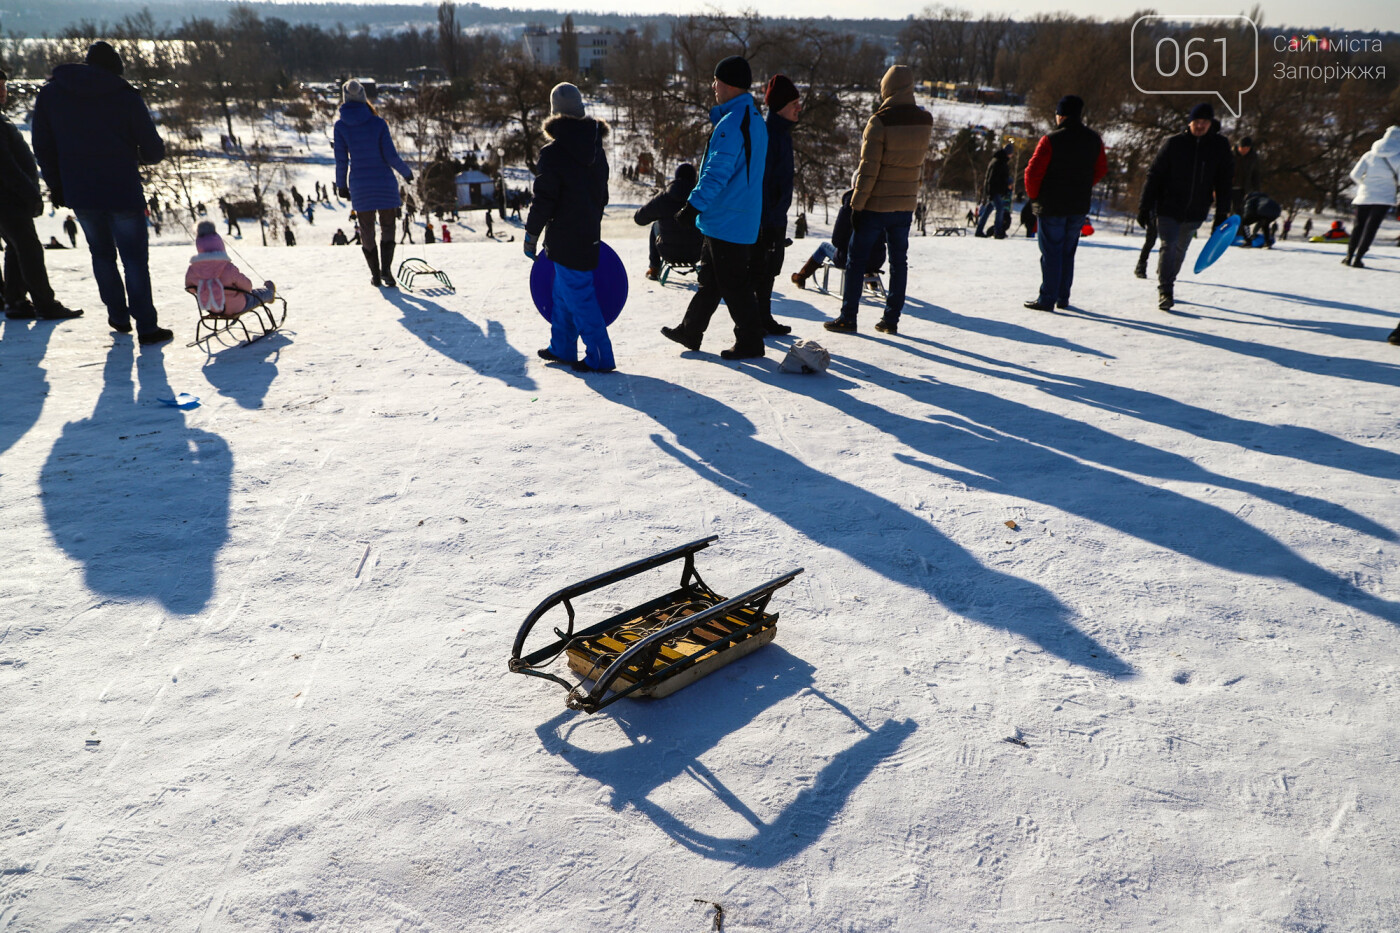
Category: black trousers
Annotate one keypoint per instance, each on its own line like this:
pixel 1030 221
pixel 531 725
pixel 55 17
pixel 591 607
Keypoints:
pixel 1148 243
pixel 768 254
pixel 22 243
pixel 1368 221
pixel 724 275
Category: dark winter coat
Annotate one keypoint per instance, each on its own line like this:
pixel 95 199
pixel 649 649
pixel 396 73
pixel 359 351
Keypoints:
pixel 364 148
pixel 91 132
pixel 680 242
pixel 571 190
pixel 1189 174
pixel 1062 172
pixel 997 182
pixel 19 176
pixel 1247 171
pixel 1259 207
pixel 777 173
pixel 841 239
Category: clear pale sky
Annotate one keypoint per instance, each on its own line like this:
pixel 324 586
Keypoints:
pixel 1347 14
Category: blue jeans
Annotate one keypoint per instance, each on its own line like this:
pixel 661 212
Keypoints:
pixel 1002 219
pixel 576 314
pixel 895 226
pixel 1058 238
pixel 109 233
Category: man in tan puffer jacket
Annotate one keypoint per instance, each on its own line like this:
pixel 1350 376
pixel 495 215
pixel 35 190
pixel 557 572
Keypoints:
pixel 892 153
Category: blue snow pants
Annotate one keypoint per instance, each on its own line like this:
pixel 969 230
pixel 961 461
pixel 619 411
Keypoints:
pixel 576 314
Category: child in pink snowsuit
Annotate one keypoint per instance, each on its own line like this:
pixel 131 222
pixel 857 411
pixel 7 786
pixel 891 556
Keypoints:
pixel 215 280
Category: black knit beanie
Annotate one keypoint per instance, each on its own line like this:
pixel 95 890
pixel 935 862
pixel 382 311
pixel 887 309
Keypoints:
pixel 105 57
pixel 735 72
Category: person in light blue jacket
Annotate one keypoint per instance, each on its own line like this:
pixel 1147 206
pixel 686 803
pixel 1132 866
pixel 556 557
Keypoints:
pixel 727 205
pixel 365 152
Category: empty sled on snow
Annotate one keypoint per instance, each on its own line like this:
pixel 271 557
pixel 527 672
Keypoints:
pixel 658 647
pixel 413 267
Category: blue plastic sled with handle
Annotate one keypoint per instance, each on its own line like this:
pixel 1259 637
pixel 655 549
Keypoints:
pixel 609 283
pixel 1218 243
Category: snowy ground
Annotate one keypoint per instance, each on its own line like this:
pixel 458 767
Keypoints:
pixel 1166 700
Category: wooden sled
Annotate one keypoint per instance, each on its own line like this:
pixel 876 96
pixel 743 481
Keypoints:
pixel 413 267
pixel 217 324
pixel 656 648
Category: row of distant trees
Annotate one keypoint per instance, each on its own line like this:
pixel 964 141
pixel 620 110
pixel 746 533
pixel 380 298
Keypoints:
pixel 1308 132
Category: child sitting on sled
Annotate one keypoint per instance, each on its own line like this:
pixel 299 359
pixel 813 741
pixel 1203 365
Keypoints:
pixel 215 280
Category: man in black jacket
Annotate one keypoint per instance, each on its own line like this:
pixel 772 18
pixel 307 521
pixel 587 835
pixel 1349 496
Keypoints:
pixel 1192 171
pixel 571 191
pixel 784 106
pixel 1060 179
pixel 20 203
pixel 1247 179
pixel 670 240
pixel 92 132
pixel 996 190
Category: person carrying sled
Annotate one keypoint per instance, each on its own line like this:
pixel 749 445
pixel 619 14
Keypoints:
pixel 670 238
pixel 571 191
pixel 727 207
pixel 1192 171
pixel 218 284
pixel 364 151
pixel 1377 177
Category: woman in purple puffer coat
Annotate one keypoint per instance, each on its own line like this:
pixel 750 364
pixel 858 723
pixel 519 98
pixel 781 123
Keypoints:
pixel 365 152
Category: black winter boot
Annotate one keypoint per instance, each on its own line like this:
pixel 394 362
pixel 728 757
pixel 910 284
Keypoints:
pixel 372 259
pixel 386 264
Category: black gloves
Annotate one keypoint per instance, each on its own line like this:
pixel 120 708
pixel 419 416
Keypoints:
pixel 687 214
pixel 342 192
pixel 856 218
pixel 1144 217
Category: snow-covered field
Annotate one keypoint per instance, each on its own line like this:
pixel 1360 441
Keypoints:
pixel 252 654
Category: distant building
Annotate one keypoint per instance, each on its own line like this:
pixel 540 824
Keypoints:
pixel 542 46
pixel 475 189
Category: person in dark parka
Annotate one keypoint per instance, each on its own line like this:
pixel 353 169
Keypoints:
pixel 20 202
pixel 1192 171
pixel 571 191
pixel 784 107
pixel 670 240
pixel 365 151
pixel 1060 179
pixel 996 192
pixel 92 133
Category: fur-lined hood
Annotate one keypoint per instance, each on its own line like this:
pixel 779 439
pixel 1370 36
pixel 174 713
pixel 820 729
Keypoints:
pixel 579 136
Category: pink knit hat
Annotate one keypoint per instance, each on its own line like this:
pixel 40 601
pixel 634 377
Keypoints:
pixel 207 239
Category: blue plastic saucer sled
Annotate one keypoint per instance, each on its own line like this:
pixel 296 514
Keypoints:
pixel 1218 243
pixel 609 282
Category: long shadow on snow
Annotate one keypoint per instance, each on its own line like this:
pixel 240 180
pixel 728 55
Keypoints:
pixel 23 382
pixel 718 444
pixel 1305 300
pixel 459 338
pixel 137 497
pixel 1007 448
pixel 994 327
pixel 666 740
pixel 244 374
pixel 1285 440
pixel 1387 374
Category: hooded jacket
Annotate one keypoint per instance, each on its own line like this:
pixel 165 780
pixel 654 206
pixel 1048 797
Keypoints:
pixel 1189 173
pixel 364 149
pixel 1377 173
pixel 91 132
pixel 997 182
pixel 212 276
pixel 1063 170
pixel 777 173
pixel 680 242
pixel 893 147
pixel 729 194
pixel 571 190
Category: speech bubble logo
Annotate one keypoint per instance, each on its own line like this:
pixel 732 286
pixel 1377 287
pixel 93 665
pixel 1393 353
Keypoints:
pixel 1215 55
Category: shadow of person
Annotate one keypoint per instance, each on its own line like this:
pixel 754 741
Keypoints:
pixel 134 495
pixel 244 374
pixel 988 442
pixel 663 740
pixel 459 338
pixel 994 327
pixel 25 385
pixel 718 443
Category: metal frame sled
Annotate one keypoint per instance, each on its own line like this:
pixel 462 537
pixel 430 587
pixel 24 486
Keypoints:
pixel 412 267
pixel 217 323
pixel 656 648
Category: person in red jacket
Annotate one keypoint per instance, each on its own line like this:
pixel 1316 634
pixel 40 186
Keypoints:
pixel 1060 178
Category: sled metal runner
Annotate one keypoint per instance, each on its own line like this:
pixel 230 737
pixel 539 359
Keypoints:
pixel 413 267
pixel 215 325
pixel 658 647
